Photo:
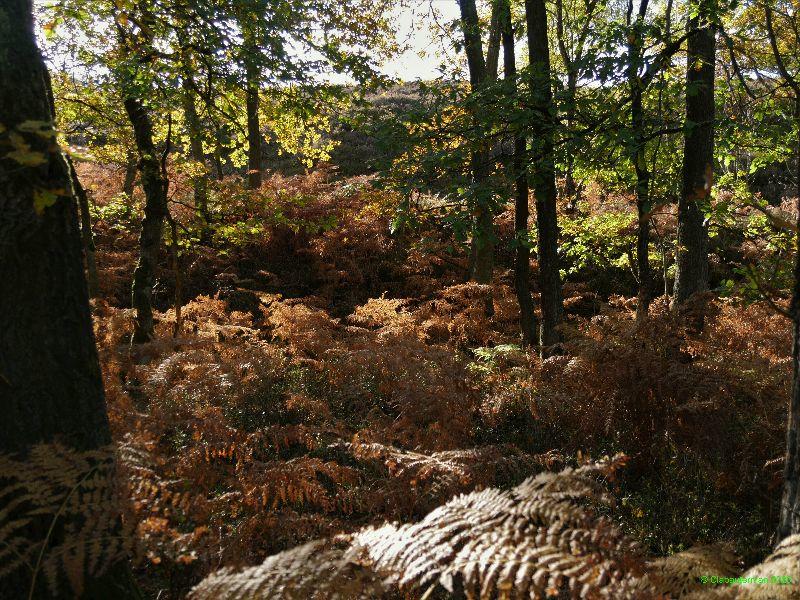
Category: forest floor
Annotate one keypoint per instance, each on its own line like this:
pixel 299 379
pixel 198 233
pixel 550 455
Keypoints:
pixel 329 375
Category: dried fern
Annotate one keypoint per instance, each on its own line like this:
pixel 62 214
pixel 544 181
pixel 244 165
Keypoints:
pixel 59 516
pixel 427 480
pixel 541 538
pixel 680 574
pixel 314 570
pixel 784 562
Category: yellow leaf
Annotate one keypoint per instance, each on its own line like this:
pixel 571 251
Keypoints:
pixel 42 128
pixel 42 199
pixel 29 158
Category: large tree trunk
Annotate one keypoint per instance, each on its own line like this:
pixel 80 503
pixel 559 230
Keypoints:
pixel 698 162
pixel 482 249
pixel 639 159
pixel 50 383
pixel 522 257
pixel 789 521
pixel 544 179
pixel 194 129
pixel 155 183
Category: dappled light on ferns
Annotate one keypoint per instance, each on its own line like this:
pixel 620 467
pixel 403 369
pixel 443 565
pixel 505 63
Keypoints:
pixel 540 538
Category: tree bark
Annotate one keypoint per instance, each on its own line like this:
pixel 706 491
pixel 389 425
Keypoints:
pixel 493 45
pixel 50 382
pixel 129 181
pixel 789 520
pixel 252 101
pixel 519 174
pixel 482 245
pixel 87 237
pixel 698 162
pixel 155 183
pixel 544 179
pixel 639 159
pixel 194 129
pixel 218 168
pixel 570 187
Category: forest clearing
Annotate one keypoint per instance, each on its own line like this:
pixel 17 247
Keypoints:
pixel 421 299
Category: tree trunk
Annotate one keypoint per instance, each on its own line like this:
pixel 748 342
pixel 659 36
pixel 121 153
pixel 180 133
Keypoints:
pixel 639 159
pixel 643 240
pixel 544 179
pixel 219 170
pixel 155 183
pixel 698 163
pixel 482 246
pixel 87 237
pixel 519 174
pixel 130 175
pixel 570 187
pixel 789 521
pixel 253 129
pixel 493 45
pixel 50 382
pixel 194 130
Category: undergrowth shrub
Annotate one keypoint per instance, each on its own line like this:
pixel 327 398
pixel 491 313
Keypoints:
pixel 699 416
pixel 547 537
pixel 276 417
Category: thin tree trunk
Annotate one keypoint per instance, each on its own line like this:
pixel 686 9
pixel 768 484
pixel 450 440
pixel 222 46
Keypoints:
pixel 789 521
pixel 570 187
pixel 691 275
pixel 572 64
pixel 522 257
pixel 639 159
pixel 544 180
pixel 643 270
pixel 130 175
pixel 220 172
pixel 155 184
pixel 87 237
pixel 482 248
pixel 253 129
pixel 493 45
pixel 176 271
pixel 194 130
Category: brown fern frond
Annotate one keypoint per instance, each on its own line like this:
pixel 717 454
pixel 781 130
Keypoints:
pixel 419 482
pixel 59 516
pixel 298 482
